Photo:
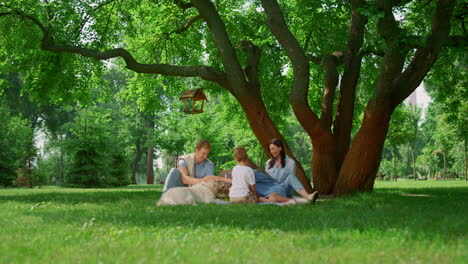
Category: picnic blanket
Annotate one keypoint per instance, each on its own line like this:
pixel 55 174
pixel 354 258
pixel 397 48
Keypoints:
pixel 223 202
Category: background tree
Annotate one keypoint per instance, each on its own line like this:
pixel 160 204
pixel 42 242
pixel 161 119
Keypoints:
pixel 17 148
pixel 448 85
pixel 402 50
pixel 97 150
pixel 403 132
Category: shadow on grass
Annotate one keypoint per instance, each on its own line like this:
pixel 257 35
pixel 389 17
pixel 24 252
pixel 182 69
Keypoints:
pixel 440 212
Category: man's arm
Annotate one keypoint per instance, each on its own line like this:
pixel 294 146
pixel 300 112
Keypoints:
pixel 228 180
pixel 211 177
pixel 186 179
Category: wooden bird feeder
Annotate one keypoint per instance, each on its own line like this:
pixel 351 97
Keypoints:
pixel 193 101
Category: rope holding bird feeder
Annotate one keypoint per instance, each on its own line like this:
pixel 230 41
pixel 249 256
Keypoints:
pixel 193 100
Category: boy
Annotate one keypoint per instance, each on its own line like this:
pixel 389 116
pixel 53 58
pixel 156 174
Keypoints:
pixel 243 180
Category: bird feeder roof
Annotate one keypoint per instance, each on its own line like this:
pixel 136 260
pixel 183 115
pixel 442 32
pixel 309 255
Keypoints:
pixel 196 95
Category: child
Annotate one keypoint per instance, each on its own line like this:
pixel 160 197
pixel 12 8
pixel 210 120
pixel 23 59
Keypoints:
pixel 243 180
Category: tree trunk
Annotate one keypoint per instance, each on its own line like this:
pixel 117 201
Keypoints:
pixel 149 166
pixel 445 165
pixel 62 165
pixel 363 159
pixel 414 163
pixel 135 162
pixel 265 130
pixel 395 176
pixel 324 172
pixel 150 154
pixel 466 174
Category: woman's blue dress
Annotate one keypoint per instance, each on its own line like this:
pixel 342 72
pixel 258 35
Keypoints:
pixel 265 185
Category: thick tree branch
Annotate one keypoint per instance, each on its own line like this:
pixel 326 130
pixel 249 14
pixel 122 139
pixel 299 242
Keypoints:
pixel 300 63
pixel 394 54
pixel 352 70
pixel 204 72
pixel 234 71
pixel 253 59
pixel 330 64
pixel 425 57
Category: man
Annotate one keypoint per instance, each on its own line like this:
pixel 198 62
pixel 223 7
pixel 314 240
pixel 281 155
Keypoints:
pixel 193 168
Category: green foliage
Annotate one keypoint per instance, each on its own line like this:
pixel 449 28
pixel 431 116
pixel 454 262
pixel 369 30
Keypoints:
pixel 96 146
pixel 448 85
pixel 403 131
pixel 147 105
pixel 442 137
pixel 16 145
pixel 41 174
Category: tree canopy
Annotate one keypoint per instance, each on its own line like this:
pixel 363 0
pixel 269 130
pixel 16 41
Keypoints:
pixel 340 63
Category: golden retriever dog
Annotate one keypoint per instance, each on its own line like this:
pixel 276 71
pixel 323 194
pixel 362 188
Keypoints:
pixel 203 192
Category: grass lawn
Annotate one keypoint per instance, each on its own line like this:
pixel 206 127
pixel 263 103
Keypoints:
pixel 400 222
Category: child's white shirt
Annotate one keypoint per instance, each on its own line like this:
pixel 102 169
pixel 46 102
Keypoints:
pixel 242 178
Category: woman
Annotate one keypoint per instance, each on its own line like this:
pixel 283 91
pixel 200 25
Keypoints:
pixel 282 168
pixel 267 189
pixel 276 183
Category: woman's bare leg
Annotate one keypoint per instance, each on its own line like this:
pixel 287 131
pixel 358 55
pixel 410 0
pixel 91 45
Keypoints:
pixel 274 197
pixel 303 193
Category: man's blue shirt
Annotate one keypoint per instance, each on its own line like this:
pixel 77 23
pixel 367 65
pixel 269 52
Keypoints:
pixel 201 170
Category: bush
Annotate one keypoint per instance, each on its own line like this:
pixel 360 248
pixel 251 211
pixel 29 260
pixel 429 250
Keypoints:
pixel 41 174
pixel 96 148
pixel 16 146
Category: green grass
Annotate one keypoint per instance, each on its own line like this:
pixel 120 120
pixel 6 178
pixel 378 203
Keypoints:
pixel 58 225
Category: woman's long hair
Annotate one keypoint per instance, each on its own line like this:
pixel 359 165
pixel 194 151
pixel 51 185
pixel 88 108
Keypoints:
pixel 252 165
pixel 277 142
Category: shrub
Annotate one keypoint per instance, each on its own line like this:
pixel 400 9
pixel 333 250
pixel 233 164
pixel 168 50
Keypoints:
pixel 96 148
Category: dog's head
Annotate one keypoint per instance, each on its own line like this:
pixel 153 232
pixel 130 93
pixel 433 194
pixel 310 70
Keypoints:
pixel 223 190
pixel 223 186
pixel 213 186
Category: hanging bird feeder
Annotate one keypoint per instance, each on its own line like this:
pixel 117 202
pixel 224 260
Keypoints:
pixel 193 101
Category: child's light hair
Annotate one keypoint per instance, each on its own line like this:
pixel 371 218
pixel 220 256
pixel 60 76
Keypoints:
pixel 240 154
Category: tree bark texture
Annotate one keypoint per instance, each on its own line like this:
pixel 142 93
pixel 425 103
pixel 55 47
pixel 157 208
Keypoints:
pixel 363 159
pixel 150 157
pixel 149 166
pixel 136 160
pixel 352 69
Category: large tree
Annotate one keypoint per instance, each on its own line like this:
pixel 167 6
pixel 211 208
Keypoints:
pixel 403 49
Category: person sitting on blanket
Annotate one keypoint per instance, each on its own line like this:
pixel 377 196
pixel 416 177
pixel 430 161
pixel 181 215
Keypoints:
pixel 267 189
pixel 278 179
pixel 243 180
pixel 193 168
